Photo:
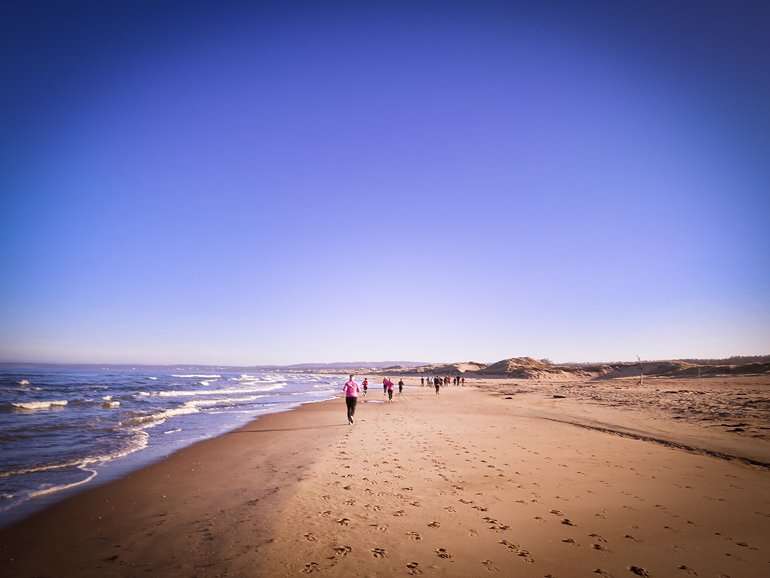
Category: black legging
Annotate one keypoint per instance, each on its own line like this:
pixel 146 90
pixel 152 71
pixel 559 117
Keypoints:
pixel 351 403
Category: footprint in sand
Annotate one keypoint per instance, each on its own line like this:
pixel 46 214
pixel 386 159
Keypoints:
pixel 638 570
pixel 518 550
pixel 568 541
pixel 442 553
pixel 602 573
pixel 495 524
pixel 378 527
pixel 434 524
pixel 311 567
pixel 378 552
pixel 342 551
pixel 490 566
pixel 414 536
pixel 399 513
pixel 688 570
pixel 413 568
pixel 343 521
pixel 567 522
pixel 310 537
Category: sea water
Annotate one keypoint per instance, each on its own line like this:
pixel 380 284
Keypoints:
pixel 65 427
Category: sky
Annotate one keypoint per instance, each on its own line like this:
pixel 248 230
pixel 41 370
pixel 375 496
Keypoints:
pixel 256 183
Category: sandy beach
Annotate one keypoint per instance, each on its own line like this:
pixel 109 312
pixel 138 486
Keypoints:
pixel 492 479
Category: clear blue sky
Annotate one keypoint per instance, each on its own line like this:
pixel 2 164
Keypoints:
pixel 270 183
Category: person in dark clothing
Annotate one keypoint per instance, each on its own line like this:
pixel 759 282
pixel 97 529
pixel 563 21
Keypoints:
pixel 437 383
pixel 400 386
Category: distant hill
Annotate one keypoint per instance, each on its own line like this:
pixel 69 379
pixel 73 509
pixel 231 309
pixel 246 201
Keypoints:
pixel 543 369
pixel 351 365
pixel 438 368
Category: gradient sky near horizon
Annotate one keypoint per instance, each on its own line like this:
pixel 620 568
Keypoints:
pixel 275 183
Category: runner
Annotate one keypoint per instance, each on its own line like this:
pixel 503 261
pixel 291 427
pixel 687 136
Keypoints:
pixel 437 383
pixel 351 397
pixel 400 386
pixel 365 385
pixel 390 391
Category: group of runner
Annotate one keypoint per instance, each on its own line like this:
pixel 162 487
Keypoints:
pixel 352 389
pixel 439 381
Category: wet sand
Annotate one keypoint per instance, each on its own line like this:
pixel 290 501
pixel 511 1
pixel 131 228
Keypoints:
pixel 469 484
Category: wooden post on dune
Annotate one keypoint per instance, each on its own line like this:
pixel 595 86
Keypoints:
pixel 641 371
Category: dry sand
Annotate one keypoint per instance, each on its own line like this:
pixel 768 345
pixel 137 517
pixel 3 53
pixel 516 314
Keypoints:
pixel 467 484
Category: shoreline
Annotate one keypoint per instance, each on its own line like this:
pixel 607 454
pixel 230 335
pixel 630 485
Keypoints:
pixel 118 468
pixel 121 506
pixel 301 491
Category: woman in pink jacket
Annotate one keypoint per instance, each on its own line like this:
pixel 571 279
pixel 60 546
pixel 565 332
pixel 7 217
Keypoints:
pixel 351 390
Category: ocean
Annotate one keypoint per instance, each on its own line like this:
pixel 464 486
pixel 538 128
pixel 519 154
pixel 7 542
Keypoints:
pixel 65 427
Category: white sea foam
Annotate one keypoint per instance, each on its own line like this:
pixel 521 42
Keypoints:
pixel 54 489
pixel 155 419
pixel 23 382
pixel 175 430
pixel 245 377
pixel 110 404
pixel 106 397
pixel 153 378
pixel 223 401
pixel 196 392
pixel 198 375
pixel 34 405
pixel 190 407
pixel 138 442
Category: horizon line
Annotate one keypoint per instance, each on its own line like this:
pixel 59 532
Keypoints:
pixel 353 364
